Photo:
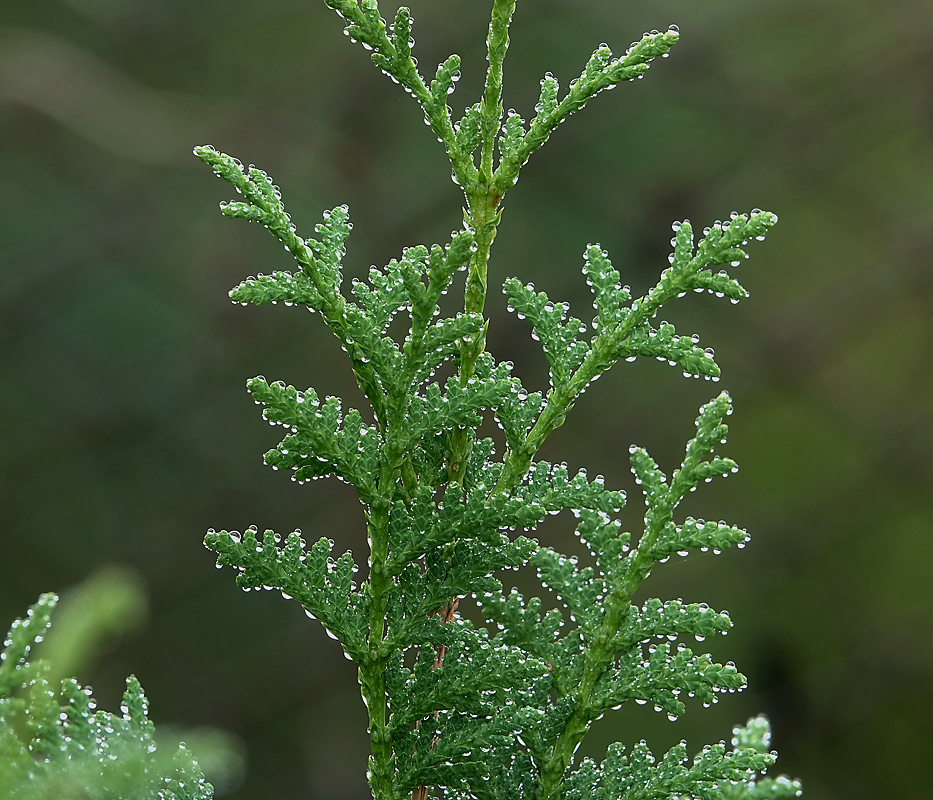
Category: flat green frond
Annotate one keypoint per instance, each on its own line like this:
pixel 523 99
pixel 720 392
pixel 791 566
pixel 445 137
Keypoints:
pixel 583 782
pixel 441 340
pixel 756 735
pixel 723 241
pixel 541 734
pixel 511 779
pixel 375 357
pixel 664 344
pixel 697 534
pixel 482 473
pixel 639 774
pixel 460 529
pixel 281 286
pixel 666 675
pixel 400 34
pixel 386 296
pixel 468 132
pixel 520 623
pixel 448 73
pixel 474 562
pixel 662 497
pixel 603 71
pixel 415 283
pixel 711 432
pixel 318 258
pixel 458 711
pixel 251 183
pixel 597 63
pixel 363 22
pixel 459 405
pixel 764 789
pixel 42 728
pixel 720 284
pixel 439 267
pixel 623 326
pixel 330 246
pixel 547 99
pixel 579 589
pixel 372 352
pixel 391 52
pixel 463 403
pixel 263 198
pixel 648 475
pixel 413 529
pixel 551 487
pixel 603 538
pixel 513 132
pixel 624 329
pixel 670 620
pixel 472 662
pixel 558 333
pixel 323 586
pixel 517 413
pixel 321 442
pixel 449 571
pixel 722 245
pixel 609 296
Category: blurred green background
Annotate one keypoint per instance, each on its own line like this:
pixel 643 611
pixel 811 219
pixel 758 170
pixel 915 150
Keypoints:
pixel 127 431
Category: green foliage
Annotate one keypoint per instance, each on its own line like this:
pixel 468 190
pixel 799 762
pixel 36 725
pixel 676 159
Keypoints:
pixel 55 745
pixel 497 711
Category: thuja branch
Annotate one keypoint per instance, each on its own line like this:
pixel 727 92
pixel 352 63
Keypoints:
pixel 655 544
pixel 482 713
pixel 625 332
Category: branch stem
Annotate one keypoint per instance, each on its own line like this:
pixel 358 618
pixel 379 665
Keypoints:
pixel 484 213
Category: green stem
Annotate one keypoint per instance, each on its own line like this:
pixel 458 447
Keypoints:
pixel 484 201
pixel 372 668
pixel 497 44
pixel 484 219
pixel 382 772
pixel 598 656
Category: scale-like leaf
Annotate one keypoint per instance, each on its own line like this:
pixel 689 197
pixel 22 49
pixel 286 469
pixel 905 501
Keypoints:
pixel 639 773
pixel 665 675
pixel 322 585
pixel 670 620
pixel 558 333
pixel 321 442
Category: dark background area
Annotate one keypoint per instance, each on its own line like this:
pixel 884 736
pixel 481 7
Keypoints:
pixel 127 431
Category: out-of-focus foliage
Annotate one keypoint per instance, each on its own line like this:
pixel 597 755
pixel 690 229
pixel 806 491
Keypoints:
pixel 55 745
pixel 109 603
pixel 117 348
